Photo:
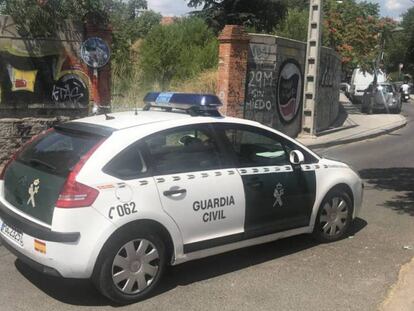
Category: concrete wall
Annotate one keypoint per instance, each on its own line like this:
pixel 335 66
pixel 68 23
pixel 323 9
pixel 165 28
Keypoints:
pixel 42 72
pixel 43 81
pixel 274 84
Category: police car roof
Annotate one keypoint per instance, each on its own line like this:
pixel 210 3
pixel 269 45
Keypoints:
pixel 127 119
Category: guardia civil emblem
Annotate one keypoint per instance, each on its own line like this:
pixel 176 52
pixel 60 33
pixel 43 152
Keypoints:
pixel 33 190
pixel 279 192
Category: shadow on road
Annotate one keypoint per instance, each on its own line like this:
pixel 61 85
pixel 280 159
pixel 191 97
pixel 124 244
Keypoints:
pixel 394 179
pixel 83 293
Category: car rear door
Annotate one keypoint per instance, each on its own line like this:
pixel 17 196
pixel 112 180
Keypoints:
pixel 197 185
pixel 278 196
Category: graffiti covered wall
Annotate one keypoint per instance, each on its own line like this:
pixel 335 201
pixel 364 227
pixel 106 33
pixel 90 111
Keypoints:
pixel 42 72
pixel 274 84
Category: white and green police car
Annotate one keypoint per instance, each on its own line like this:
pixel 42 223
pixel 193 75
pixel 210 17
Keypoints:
pixel 118 198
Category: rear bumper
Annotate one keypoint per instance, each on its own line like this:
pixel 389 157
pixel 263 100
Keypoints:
pixel 35 230
pixel 33 264
pixel 70 251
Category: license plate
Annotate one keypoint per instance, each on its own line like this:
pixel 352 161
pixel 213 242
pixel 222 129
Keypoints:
pixel 13 234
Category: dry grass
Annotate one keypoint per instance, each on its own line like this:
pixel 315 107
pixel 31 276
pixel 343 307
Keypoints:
pixel 206 82
pixel 128 91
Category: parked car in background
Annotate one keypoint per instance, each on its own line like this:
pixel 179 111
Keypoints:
pixel 383 97
pixel 345 88
pixel 360 81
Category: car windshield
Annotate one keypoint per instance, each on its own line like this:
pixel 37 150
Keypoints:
pixel 57 151
pixel 386 88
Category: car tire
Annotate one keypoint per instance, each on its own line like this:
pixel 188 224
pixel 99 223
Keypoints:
pixel 118 266
pixel 334 216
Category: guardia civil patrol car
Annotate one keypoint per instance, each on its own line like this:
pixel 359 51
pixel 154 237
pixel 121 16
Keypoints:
pixel 116 198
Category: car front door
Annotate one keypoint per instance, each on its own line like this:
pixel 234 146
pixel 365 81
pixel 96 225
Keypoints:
pixel 278 196
pixel 198 187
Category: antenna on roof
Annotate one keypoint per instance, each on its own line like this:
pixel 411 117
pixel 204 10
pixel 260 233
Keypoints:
pixel 108 117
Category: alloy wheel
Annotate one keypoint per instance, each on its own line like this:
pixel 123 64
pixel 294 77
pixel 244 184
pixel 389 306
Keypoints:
pixel 334 216
pixel 135 266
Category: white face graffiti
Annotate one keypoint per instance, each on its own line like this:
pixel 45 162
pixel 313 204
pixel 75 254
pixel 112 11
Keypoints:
pixel 279 191
pixel 33 190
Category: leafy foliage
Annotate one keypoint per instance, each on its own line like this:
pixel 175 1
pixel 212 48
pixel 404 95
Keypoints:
pixel 294 25
pixel 356 31
pixel 262 15
pixel 127 29
pixel 178 51
pixel 44 17
pixel 406 42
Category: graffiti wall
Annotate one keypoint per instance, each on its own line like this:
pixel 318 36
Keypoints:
pixel 43 72
pixel 274 84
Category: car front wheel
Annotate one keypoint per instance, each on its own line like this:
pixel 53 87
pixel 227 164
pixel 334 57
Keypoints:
pixel 334 216
pixel 131 266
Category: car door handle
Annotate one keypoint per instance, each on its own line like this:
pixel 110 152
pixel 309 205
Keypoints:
pixel 170 193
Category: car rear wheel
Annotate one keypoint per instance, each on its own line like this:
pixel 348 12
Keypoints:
pixel 334 216
pixel 131 267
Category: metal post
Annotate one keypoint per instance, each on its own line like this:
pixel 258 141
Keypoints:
pixel 312 68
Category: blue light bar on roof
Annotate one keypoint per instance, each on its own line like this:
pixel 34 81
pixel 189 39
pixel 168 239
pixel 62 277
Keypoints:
pixel 183 101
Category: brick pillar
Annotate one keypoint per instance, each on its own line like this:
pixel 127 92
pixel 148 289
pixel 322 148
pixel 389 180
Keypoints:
pixel 101 87
pixel 231 84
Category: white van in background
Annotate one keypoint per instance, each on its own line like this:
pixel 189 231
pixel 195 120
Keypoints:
pixel 360 81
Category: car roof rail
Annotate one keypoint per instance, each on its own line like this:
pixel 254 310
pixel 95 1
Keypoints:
pixel 192 103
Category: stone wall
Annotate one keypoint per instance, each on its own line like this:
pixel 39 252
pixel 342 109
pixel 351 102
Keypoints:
pixel 14 132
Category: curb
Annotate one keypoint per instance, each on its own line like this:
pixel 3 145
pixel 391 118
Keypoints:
pixel 399 297
pixel 358 138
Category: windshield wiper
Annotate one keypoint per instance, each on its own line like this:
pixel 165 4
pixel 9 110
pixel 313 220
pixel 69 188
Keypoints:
pixel 40 162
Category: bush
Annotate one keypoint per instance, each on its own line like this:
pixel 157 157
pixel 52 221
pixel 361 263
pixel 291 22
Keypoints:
pixel 177 52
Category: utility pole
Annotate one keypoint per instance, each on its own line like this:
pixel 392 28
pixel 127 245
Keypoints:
pixel 314 43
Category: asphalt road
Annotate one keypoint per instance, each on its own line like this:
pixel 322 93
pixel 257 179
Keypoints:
pixel 291 274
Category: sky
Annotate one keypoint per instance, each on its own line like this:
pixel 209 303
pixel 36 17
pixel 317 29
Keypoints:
pixel 394 8
pixel 391 8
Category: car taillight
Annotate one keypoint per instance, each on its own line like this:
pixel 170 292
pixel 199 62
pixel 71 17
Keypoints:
pixel 75 194
pixel 17 153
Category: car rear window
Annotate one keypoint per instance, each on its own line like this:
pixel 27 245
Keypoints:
pixel 57 151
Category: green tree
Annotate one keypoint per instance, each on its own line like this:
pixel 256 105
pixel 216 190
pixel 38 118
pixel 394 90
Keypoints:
pixel 294 25
pixel 177 51
pixel 128 28
pixel 262 15
pixel 43 17
pixel 356 31
pixel 407 40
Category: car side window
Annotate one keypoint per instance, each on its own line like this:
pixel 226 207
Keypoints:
pixel 128 164
pixel 256 149
pixel 183 150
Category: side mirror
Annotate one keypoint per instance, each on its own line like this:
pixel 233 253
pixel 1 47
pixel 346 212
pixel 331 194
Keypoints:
pixel 296 157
